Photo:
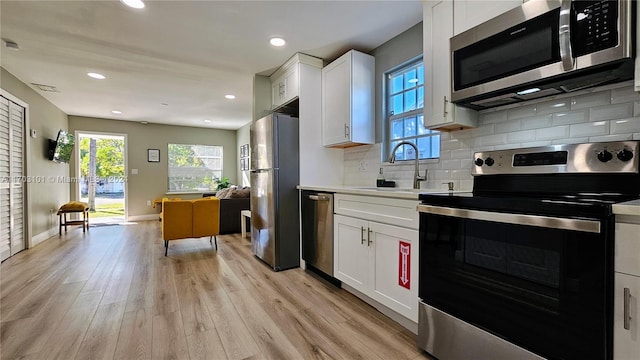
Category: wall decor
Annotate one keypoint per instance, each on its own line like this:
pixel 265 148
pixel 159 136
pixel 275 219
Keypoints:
pixel 153 155
pixel 244 157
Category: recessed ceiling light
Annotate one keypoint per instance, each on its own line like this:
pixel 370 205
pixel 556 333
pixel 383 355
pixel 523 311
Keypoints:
pixel 206 120
pixel 230 97
pixel 96 76
pixel 117 112
pixel 276 41
pixel 136 4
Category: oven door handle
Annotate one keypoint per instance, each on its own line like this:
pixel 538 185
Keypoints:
pixel 518 219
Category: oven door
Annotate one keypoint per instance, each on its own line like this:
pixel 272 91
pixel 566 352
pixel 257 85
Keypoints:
pixel 542 283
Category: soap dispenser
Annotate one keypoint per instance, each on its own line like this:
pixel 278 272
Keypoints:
pixel 380 179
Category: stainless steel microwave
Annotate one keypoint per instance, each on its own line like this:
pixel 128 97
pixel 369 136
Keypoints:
pixel 543 48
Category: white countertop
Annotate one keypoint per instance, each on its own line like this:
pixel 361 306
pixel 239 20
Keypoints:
pixel 398 193
pixel 627 208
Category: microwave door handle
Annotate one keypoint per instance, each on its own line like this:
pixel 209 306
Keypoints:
pixel 565 36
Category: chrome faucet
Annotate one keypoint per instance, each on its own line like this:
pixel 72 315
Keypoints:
pixel 416 175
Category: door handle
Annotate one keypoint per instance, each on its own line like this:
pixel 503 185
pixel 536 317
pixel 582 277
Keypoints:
pixel 627 312
pixel 369 241
pixel 361 235
pixel 444 111
pixel 565 35
pixel 318 197
pixel 591 226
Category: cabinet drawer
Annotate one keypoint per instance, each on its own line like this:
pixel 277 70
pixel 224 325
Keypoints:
pixel 627 247
pixel 398 212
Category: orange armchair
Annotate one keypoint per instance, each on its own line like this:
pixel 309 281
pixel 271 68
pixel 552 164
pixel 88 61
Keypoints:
pixel 182 219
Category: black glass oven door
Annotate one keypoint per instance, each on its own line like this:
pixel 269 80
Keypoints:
pixel 543 288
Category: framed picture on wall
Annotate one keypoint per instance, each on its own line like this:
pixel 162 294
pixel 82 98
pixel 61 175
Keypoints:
pixel 153 155
pixel 244 157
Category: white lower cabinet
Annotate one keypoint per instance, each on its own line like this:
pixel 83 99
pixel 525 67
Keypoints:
pixel 626 342
pixel 352 256
pixel 379 260
pixel 626 323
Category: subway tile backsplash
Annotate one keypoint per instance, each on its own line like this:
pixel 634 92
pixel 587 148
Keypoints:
pixel 600 115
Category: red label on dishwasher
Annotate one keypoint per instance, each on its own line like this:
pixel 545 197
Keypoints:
pixel 404 264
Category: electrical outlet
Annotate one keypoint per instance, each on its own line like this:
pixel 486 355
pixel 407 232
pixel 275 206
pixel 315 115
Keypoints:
pixel 363 165
pixel 148 202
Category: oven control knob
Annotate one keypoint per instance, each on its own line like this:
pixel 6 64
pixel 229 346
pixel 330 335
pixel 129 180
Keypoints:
pixel 489 161
pixel 625 155
pixel 604 156
pixel 479 162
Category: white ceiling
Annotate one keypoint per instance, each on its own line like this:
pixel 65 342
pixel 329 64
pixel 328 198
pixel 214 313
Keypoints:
pixel 187 54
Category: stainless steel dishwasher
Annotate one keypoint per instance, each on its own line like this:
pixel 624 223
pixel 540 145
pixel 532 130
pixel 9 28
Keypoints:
pixel 317 230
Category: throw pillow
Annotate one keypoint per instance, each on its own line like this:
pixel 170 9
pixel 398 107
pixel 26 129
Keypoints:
pixel 222 194
pixel 239 193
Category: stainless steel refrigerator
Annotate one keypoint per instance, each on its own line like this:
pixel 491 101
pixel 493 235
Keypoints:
pixel 275 236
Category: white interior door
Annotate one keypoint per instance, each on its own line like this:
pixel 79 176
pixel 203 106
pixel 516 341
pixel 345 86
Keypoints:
pixel 12 140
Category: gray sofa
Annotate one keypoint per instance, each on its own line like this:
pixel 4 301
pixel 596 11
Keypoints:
pixel 230 209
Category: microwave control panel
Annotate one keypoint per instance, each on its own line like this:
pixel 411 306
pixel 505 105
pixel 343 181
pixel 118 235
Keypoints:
pixel 594 26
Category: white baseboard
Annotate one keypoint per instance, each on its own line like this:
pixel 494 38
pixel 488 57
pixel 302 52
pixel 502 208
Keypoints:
pixel 35 240
pixel 143 217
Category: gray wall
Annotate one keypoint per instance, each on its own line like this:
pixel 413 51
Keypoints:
pixel 151 180
pixel 395 52
pixel 242 137
pixel 46 119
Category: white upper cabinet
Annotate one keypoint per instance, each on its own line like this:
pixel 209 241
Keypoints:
pixel 439 112
pixel 348 88
pixel 470 13
pixel 285 82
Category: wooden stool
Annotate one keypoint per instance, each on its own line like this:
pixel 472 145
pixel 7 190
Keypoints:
pixel 73 207
pixel 243 222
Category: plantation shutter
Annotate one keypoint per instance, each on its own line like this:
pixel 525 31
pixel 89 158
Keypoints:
pixel 12 219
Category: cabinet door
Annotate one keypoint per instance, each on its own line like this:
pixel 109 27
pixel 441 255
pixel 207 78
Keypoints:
pixel 351 253
pixel 336 101
pixel 437 67
pixel 439 112
pixel 395 270
pixel 277 92
pixel 291 87
pixel 469 13
pixel 626 342
pixel 627 248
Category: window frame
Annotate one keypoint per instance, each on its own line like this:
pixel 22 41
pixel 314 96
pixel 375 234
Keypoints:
pixel 417 113
pixel 211 176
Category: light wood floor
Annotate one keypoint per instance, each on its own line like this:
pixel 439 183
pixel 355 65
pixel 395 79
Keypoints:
pixel 112 294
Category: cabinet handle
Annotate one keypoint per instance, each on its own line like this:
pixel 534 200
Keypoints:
pixel 627 315
pixel 369 241
pixel 361 235
pixel 445 105
pixel 346 131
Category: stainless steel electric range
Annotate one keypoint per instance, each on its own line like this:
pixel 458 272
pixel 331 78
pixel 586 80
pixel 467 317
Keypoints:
pixel 522 267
